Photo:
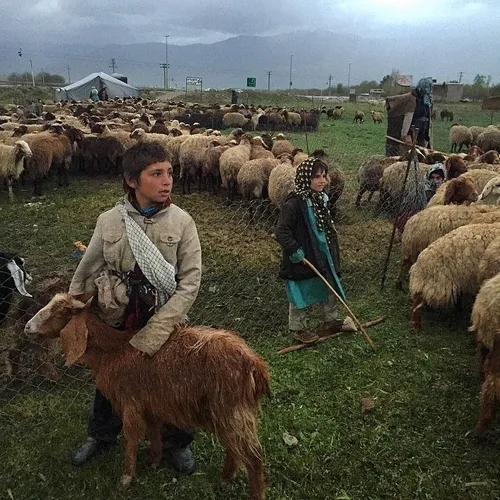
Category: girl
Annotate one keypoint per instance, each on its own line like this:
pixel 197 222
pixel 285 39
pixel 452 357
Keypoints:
pixel 305 230
pixel 144 264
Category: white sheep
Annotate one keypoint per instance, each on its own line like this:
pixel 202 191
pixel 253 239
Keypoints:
pixel 460 136
pixel 489 139
pixel 231 162
pixel 230 120
pixel 281 183
pixel 490 195
pixel 12 162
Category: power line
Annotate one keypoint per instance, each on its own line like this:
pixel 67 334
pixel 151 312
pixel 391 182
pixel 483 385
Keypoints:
pixel 113 64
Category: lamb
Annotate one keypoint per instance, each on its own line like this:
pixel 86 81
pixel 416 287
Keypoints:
pixel 281 145
pixel 201 377
pixel 432 223
pixel 231 161
pixel 460 136
pixel 231 120
pixel 479 177
pixel 298 156
pixel 369 174
pixel 359 117
pixel 490 195
pixel 489 139
pixel 12 162
pixel 448 268
pixel 377 116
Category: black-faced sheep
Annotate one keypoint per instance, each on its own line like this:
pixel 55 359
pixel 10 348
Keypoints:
pixel 201 377
pixel 359 117
pixel 12 162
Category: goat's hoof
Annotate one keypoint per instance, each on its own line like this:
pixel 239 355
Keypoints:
pixel 125 481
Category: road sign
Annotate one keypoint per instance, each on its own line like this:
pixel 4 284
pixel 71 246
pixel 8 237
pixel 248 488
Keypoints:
pixel 251 82
pixel 193 80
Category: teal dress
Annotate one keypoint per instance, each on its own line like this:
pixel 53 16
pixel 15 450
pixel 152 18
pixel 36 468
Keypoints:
pixel 305 293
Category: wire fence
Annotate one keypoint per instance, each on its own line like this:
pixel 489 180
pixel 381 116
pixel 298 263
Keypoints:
pixel 240 287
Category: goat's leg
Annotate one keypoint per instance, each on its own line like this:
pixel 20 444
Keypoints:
pixel 230 467
pixel 255 470
pixel 155 443
pixel 487 410
pixel 134 429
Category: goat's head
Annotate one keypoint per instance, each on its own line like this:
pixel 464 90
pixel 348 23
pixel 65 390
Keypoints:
pixel 63 316
pixel 460 191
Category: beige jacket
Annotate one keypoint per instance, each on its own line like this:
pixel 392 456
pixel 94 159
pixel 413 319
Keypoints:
pixel 174 232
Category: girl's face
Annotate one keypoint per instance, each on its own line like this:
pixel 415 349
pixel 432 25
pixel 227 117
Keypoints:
pixel 319 181
pixel 154 184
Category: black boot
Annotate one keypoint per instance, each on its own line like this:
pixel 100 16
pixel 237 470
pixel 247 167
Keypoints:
pixel 182 459
pixel 87 450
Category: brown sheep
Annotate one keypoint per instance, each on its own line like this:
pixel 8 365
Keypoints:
pixel 455 166
pixel 492 157
pixel 460 191
pixel 201 377
pixel 281 145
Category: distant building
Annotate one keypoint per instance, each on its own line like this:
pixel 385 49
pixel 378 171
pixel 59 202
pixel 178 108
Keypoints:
pixel 120 77
pixel 448 91
pixel 377 92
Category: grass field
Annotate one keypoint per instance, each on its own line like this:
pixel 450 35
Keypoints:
pixel 415 443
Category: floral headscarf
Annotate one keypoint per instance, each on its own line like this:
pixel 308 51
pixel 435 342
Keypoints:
pixel 303 189
pixel 424 89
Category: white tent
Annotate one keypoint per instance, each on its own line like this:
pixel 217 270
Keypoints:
pixel 80 90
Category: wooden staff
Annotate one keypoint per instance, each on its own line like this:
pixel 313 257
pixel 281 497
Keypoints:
pixel 416 145
pixel 341 300
pixel 298 347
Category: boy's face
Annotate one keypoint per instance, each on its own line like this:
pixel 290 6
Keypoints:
pixel 436 179
pixel 154 184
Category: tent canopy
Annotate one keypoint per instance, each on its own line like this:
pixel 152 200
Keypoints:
pixel 80 90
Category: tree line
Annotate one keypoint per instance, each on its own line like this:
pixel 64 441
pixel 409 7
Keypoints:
pixel 42 78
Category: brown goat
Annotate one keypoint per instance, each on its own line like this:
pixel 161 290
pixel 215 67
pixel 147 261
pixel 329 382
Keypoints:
pixel 201 377
pixel 490 390
pixel 460 192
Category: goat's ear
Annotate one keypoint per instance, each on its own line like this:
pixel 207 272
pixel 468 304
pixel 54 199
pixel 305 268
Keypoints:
pixel 450 192
pixel 74 339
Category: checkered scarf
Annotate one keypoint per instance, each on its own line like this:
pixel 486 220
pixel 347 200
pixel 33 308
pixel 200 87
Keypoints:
pixel 303 178
pixel 159 272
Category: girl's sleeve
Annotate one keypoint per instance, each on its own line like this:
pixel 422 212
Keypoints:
pixel 285 228
pixel 90 266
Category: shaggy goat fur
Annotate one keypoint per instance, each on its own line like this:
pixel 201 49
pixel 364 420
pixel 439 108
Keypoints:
pixel 201 377
pixel 432 223
pixel 449 268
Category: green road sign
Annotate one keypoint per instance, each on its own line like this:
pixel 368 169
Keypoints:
pixel 251 82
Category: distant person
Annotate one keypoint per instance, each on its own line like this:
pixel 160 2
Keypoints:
pixel 403 111
pixel 234 97
pixel 94 94
pixel 103 94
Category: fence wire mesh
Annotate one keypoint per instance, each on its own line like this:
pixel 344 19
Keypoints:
pixel 240 287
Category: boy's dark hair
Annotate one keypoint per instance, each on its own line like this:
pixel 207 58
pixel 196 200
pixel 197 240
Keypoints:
pixel 138 157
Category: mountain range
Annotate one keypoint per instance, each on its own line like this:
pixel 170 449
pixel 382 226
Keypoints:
pixel 312 56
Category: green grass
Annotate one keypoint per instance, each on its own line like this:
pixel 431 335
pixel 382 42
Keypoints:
pixel 415 444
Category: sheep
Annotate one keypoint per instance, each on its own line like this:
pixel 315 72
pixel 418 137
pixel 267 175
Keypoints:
pixel 125 138
pixel 448 268
pixel 299 156
pixel 281 145
pixel 359 117
pixel 489 139
pixel 377 116
pixel 432 223
pixel 460 136
pixel 253 177
pixel 479 177
pixel 210 166
pixel 191 154
pixel 475 131
pixel 101 154
pixel 12 162
pixel 201 377
pixel 491 157
pixel 454 166
pixel 337 112
pixel 281 183
pixel 369 175
pixel 490 195
pixel 231 161
pixel 259 149
pixel 159 127
pixel 293 120
pixel 446 115
pixel 234 120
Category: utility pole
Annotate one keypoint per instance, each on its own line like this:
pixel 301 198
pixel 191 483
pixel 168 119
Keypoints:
pixel 164 66
pixel 32 74
pixel 290 87
pixel 268 81
pixel 166 62
pixel 69 75
pixel 113 64
pixel 460 76
pixel 349 77
pixel 329 84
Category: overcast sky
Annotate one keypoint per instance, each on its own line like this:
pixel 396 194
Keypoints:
pixel 206 21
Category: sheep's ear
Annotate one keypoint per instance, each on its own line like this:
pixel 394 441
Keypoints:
pixel 74 339
pixel 450 192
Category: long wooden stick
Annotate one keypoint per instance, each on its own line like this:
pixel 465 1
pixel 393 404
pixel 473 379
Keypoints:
pixel 341 300
pixel 416 146
pixel 298 347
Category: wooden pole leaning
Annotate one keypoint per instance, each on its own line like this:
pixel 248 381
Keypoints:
pixel 341 300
